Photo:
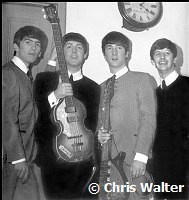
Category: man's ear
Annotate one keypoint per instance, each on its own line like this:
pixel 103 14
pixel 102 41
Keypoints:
pixel 153 63
pixel 127 54
pixel 175 60
pixel 104 57
pixel 15 47
pixel 85 56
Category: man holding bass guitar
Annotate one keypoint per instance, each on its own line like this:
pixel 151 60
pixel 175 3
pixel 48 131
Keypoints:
pixel 65 180
pixel 132 120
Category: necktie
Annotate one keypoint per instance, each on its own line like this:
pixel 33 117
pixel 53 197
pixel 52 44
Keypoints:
pixel 113 82
pixel 71 78
pixel 109 90
pixel 29 74
pixel 163 84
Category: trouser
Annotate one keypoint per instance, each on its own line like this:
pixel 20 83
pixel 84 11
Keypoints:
pixel 13 189
pixel 138 193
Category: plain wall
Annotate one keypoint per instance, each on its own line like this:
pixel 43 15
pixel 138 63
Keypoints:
pixel 95 19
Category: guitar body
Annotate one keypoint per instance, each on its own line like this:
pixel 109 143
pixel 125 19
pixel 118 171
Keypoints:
pixel 112 172
pixel 73 141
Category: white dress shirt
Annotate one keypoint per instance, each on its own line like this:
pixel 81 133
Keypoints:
pixel 170 78
pixel 76 76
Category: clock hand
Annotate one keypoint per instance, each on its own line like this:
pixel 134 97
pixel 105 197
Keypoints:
pixel 141 4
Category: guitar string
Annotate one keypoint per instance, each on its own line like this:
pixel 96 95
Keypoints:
pixel 75 128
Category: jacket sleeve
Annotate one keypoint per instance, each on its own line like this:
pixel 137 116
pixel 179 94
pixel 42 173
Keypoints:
pixel 147 121
pixel 12 141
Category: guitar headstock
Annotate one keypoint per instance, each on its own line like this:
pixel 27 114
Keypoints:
pixel 51 13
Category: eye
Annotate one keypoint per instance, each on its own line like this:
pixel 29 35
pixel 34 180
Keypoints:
pixel 68 46
pixel 38 44
pixel 167 53
pixel 80 47
pixel 120 47
pixel 27 41
pixel 157 54
pixel 108 47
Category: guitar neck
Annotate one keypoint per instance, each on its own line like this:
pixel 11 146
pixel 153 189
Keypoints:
pixel 60 52
pixel 106 151
pixel 106 148
pixel 57 34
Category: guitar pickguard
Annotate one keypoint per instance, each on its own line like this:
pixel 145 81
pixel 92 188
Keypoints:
pixel 61 116
pixel 73 142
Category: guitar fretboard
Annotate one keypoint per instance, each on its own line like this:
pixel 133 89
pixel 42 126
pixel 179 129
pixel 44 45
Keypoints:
pixel 61 60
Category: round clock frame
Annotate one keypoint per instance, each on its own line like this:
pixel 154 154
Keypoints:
pixel 130 23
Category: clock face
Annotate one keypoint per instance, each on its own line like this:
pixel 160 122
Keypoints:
pixel 141 14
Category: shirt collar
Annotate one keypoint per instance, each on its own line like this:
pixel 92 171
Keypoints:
pixel 19 63
pixel 170 78
pixel 76 76
pixel 121 72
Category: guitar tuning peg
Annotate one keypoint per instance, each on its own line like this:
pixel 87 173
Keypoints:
pixel 43 9
pixel 45 16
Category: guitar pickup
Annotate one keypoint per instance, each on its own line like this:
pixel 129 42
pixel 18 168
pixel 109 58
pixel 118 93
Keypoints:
pixel 70 109
pixel 72 119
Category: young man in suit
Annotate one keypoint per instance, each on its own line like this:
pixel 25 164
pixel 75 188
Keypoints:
pixel 171 145
pixel 65 180
pixel 132 111
pixel 20 173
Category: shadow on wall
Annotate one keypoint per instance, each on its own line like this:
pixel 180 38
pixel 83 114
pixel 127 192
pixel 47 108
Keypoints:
pixel 179 60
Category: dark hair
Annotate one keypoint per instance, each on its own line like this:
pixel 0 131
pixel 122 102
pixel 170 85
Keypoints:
pixel 115 38
pixel 32 32
pixel 78 38
pixel 162 44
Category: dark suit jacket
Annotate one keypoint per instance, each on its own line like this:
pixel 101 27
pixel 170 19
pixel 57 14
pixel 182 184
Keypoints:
pixel 63 179
pixel 19 115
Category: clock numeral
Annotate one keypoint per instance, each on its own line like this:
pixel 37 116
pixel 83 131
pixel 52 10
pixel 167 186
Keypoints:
pixel 151 12
pixel 153 6
pixel 134 16
pixel 129 10
pixel 148 18
pixel 141 19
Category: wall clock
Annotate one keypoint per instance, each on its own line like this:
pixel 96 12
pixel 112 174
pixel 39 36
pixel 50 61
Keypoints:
pixel 140 16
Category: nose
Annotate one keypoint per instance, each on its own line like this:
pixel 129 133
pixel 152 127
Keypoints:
pixel 162 55
pixel 114 51
pixel 74 50
pixel 33 46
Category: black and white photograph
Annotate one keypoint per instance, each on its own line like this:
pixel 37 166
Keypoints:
pixel 95 100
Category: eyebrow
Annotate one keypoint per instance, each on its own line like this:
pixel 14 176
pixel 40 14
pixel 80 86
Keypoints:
pixel 78 43
pixel 114 44
pixel 31 39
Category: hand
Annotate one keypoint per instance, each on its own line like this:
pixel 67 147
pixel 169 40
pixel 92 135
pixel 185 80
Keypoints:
pixel 144 7
pixel 103 136
pixel 138 168
pixel 63 90
pixel 53 55
pixel 22 171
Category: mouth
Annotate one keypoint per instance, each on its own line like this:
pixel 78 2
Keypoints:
pixel 114 59
pixel 31 54
pixel 163 62
pixel 74 57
